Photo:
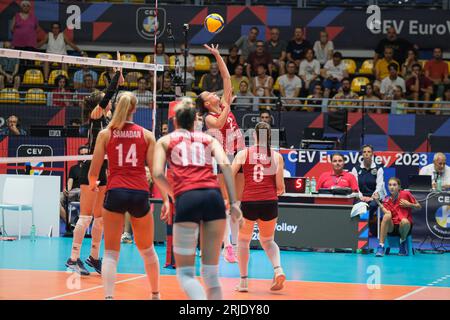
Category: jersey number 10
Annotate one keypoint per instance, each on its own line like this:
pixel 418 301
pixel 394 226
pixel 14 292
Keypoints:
pixel 131 156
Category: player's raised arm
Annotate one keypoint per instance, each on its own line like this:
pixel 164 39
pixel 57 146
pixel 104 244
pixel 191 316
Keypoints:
pixel 225 74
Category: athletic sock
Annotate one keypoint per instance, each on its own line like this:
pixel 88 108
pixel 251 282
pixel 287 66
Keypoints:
pixel 78 236
pixel 109 271
pixel 243 256
pixel 190 285
pixel 151 264
pixel 272 250
pixel 97 234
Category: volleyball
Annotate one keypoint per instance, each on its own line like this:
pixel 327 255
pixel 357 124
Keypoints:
pixel 214 23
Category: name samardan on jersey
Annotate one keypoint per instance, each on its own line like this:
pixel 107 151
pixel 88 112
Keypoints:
pixel 127 134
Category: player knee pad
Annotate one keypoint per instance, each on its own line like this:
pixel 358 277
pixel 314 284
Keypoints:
pixel 149 255
pixel 185 240
pixel 210 275
pixel 185 275
pixel 110 256
pixel 84 221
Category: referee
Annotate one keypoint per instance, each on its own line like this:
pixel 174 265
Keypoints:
pixel 370 177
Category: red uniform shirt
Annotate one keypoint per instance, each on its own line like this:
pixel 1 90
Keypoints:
pixel 259 176
pixel 190 161
pixel 127 150
pixel 399 213
pixel 345 180
pixel 230 136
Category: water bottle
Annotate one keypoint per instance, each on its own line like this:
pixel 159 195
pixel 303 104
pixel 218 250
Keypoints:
pixel 33 233
pixel 313 185
pixel 439 184
pixel 307 186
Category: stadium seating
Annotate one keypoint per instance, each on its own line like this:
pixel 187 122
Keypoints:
pixel 128 57
pixel 104 55
pixel 147 59
pixel 350 65
pixel 35 96
pixel 54 74
pixel 131 79
pixel 306 105
pixel 172 62
pixel 101 81
pixel 202 63
pixel 33 76
pixel 9 95
pixel 358 82
pixel 366 67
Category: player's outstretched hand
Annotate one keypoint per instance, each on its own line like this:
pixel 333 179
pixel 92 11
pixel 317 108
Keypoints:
pixel 214 50
pixel 165 211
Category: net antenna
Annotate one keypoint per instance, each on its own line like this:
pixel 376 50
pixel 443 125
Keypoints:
pixel 155 77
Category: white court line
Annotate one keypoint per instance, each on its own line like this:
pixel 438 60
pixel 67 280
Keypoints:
pixel 91 289
pixel 411 293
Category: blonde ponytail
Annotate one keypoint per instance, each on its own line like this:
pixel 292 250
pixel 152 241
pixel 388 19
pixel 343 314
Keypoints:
pixel 125 106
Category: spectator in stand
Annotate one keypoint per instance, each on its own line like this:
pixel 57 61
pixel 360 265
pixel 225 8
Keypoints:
pixel 24 28
pixel 371 100
pixel 411 60
pixel 143 95
pixel 107 76
pixel 212 81
pixel 296 48
pixel 238 77
pixel 436 69
pixel 161 58
pixel 166 94
pixel 388 83
pixel 258 57
pixel 245 100
pixel 400 47
pixel 233 59
pixel 277 49
pixel 13 127
pixel 316 99
pixel 61 96
pixel 164 129
pixel 9 70
pixel 56 42
pixel 338 177
pixel 345 93
pixel 444 106
pixel 247 44
pixel 87 88
pixel 190 72
pixel 290 86
pixel 78 76
pixel 333 72
pixel 398 105
pixel 309 70
pixel 75 122
pixel 323 48
pixel 381 67
pixel 262 85
pixel 419 87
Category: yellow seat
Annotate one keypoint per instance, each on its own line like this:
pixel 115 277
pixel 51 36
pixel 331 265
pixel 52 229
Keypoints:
pixel 35 96
pixel 192 95
pixel 172 62
pixel 366 67
pixel 131 79
pixel 350 65
pixel 422 63
pixel 33 76
pixel 448 64
pixel 104 55
pixel 128 57
pixel 101 81
pixel 200 84
pixel 306 107
pixel 276 85
pixel 54 74
pixel 436 105
pixel 148 59
pixel 358 82
pixel 202 63
pixel 9 95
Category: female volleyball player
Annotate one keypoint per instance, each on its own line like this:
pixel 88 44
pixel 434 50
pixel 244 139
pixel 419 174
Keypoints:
pixel 263 183
pixel 97 107
pixel 128 147
pixel 222 124
pixel 198 201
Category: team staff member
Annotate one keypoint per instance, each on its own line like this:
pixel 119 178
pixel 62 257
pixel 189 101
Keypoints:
pixel 128 147
pixel 199 205
pixel 397 220
pixel 337 178
pixel 370 177
pixel 438 170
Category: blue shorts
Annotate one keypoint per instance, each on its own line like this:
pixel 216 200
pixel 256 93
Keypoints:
pixel 135 202
pixel 199 205
pixel 328 84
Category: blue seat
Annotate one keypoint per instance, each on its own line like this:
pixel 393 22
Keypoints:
pixel 394 242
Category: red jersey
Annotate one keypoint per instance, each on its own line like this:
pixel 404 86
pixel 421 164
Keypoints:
pixel 190 160
pixel 393 205
pixel 230 136
pixel 344 180
pixel 260 171
pixel 127 150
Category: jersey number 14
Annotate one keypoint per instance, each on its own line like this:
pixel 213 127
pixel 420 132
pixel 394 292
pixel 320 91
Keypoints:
pixel 131 156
